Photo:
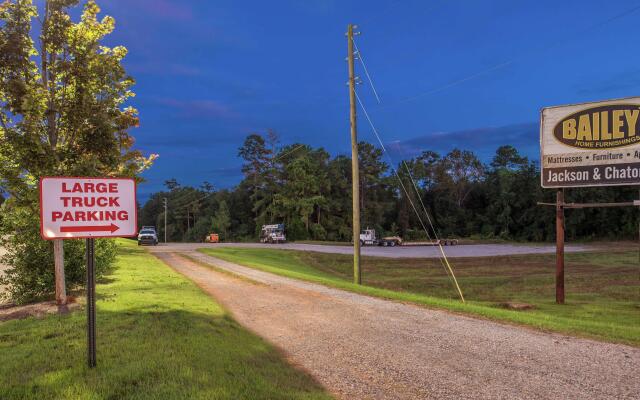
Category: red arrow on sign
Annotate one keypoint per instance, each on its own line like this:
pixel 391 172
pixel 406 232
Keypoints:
pixel 98 228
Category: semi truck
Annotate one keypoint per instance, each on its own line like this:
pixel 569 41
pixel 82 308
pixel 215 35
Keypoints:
pixel 272 234
pixel 368 237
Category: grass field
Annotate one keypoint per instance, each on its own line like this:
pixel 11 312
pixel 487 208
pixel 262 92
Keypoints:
pixel 603 288
pixel 158 337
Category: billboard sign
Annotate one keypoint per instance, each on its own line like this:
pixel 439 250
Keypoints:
pixel 87 207
pixel 591 144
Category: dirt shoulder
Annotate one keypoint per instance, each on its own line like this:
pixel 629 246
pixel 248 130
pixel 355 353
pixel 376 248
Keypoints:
pixel 363 347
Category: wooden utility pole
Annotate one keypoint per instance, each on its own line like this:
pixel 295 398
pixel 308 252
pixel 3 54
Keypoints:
pixel 58 262
pixel 355 170
pixel 560 246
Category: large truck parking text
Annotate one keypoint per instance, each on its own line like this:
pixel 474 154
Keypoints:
pixel 90 202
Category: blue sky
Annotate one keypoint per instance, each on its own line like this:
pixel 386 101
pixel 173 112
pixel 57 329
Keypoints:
pixel 457 73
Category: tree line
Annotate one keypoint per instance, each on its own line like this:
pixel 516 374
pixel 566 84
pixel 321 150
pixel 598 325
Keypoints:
pixel 310 192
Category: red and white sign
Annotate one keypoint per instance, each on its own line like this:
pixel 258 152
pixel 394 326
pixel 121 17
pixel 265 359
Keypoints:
pixel 87 207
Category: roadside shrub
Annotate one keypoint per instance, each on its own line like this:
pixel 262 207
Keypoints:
pixel 30 258
pixel 318 232
pixel 296 230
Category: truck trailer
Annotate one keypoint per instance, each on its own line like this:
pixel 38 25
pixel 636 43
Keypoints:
pixel 368 237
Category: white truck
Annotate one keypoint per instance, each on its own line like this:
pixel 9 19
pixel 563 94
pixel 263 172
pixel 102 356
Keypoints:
pixel 272 234
pixel 368 238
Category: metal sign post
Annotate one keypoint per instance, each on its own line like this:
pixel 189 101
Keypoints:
pixel 91 303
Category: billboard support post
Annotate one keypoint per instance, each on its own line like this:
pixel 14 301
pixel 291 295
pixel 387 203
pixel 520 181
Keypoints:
pixel 560 246
pixel 91 303
pixel 560 206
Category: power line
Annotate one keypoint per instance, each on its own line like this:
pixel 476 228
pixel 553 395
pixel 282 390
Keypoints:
pixel 403 162
pixel 366 72
pixel 415 186
pixel 444 256
pixel 189 203
pixel 517 58
pixel 289 152
pixel 392 165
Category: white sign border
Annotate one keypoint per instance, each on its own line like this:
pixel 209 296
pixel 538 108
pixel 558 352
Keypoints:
pixel 135 202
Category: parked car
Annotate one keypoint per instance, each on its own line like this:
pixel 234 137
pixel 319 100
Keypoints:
pixel 147 236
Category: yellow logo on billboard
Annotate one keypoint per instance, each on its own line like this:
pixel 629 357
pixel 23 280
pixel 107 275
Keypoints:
pixel 603 127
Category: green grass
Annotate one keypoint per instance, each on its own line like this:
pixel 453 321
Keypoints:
pixel 158 337
pixel 603 288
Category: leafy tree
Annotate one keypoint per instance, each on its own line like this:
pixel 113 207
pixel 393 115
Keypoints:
pixel 459 171
pixel 302 192
pixel 376 198
pixel 337 219
pixel 222 219
pixel 507 157
pixel 171 184
pixel 207 187
pixel 258 172
pixel 61 113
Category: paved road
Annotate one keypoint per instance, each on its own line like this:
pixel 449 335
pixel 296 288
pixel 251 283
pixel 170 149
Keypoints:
pixel 476 250
pixel 366 348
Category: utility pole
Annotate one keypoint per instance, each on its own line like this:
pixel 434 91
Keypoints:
pixel 165 219
pixel 355 170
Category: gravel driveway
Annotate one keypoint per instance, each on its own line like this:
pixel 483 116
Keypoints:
pixel 475 250
pixel 361 347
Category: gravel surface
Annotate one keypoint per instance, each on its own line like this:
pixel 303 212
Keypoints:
pixel 361 347
pixel 475 250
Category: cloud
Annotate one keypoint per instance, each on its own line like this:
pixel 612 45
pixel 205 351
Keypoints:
pixel 482 141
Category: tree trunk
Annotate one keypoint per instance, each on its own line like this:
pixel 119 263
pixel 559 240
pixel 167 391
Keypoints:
pixel 58 255
pixel 58 251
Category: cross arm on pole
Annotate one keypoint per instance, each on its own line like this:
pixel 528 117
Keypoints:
pixel 591 205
